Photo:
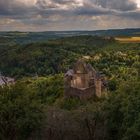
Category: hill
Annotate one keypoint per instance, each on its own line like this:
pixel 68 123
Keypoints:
pixel 35 107
pixel 29 37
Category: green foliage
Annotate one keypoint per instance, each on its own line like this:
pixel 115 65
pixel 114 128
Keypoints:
pixel 116 117
pixel 123 112
pixel 70 103
pixel 20 112
pixel 112 85
pixel 48 89
pixel 52 57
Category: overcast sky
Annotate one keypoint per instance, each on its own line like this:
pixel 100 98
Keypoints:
pixel 46 15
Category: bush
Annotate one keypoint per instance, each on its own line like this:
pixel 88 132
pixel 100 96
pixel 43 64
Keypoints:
pixel 70 103
pixel 123 113
pixel 20 113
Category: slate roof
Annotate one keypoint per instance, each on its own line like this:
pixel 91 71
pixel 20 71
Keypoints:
pixel 2 82
pixel 69 72
pixel 6 80
pixel 81 67
pixel 90 68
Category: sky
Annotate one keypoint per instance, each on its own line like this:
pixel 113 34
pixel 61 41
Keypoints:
pixel 61 15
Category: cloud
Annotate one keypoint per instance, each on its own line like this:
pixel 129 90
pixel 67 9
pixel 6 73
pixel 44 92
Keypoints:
pixel 68 14
pixel 16 9
pixel 123 5
pixel 27 8
pixel 59 4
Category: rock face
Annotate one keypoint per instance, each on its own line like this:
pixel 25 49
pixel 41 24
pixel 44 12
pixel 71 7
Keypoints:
pixel 6 80
pixel 83 81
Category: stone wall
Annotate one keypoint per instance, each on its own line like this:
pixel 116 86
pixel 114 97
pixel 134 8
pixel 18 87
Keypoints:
pixel 80 81
pixel 82 94
pixel 98 87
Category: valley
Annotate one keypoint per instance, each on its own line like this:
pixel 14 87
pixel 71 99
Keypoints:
pixel 36 104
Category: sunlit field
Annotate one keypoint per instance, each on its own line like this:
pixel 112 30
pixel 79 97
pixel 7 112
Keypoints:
pixel 128 39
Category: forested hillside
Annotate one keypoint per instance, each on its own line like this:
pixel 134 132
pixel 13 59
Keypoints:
pixel 35 108
pixel 33 37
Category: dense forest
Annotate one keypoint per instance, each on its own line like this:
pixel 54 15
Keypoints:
pixel 35 108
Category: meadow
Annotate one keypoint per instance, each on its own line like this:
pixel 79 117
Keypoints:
pixel 128 39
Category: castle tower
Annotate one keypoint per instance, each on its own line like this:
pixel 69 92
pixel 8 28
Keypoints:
pixel 80 77
pixel 98 85
pixel 83 81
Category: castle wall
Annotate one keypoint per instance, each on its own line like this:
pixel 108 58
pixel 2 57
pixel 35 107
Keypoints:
pixel 80 81
pixel 98 87
pixel 83 94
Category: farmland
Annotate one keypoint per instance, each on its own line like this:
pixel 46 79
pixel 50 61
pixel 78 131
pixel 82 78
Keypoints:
pixel 128 39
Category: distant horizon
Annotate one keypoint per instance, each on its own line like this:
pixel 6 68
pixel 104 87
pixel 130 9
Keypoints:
pixel 76 30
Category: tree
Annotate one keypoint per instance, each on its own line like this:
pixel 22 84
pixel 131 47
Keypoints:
pixel 20 112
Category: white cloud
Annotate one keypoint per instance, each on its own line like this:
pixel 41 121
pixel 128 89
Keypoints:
pixel 26 2
pixel 138 3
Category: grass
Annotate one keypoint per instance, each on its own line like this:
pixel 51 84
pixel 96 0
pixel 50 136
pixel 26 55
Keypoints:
pixel 128 39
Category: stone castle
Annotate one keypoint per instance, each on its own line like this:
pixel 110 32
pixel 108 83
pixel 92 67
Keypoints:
pixel 83 81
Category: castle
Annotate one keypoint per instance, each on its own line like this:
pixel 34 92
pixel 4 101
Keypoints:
pixel 83 81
